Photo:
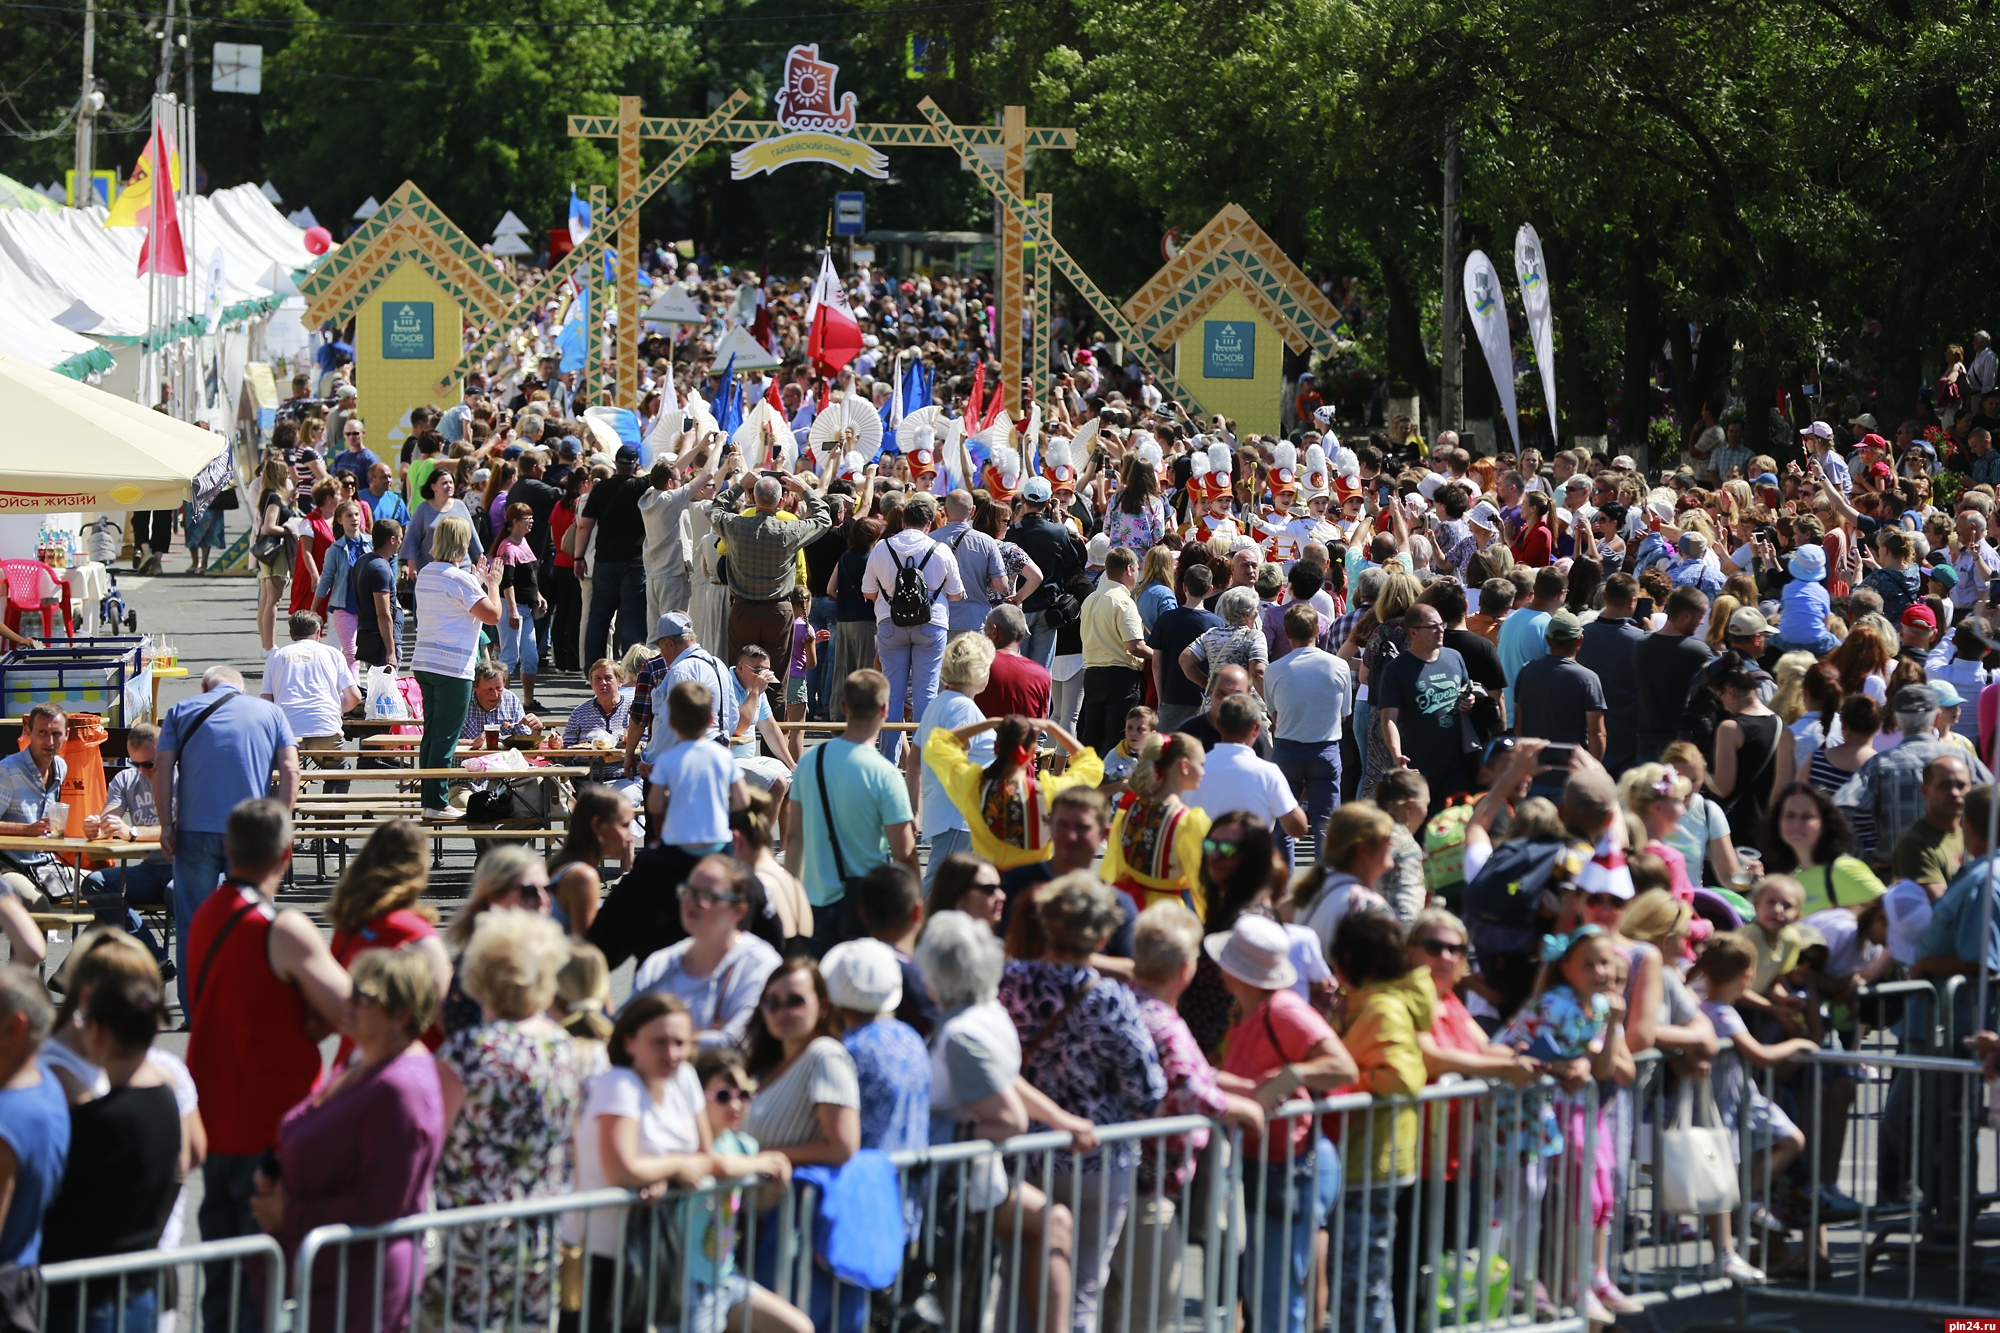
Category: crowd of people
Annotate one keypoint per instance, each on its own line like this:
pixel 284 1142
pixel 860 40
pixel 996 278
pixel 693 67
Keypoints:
pixel 1593 764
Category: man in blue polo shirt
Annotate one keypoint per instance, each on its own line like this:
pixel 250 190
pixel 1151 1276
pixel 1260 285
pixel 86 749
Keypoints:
pixel 232 741
pixel 355 456
pixel 381 496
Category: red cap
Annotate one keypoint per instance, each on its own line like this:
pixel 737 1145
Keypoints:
pixel 1919 614
pixel 1872 441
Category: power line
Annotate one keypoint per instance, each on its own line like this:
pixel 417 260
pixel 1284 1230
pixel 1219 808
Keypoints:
pixel 257 21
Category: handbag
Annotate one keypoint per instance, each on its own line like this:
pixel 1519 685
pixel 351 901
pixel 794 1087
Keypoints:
pixel 1697 1172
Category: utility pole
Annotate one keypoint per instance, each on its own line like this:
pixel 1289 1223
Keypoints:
pixel 86 112
pixel 165 84
pixel 1451 396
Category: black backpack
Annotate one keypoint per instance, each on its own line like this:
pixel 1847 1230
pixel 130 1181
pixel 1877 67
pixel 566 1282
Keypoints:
pixel 1503 902
pixel 911 597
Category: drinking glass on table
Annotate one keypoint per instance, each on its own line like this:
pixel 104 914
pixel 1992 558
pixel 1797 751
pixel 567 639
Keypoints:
pixel 58 814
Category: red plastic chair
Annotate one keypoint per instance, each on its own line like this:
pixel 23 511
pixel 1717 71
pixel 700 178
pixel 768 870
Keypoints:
pixel 24 596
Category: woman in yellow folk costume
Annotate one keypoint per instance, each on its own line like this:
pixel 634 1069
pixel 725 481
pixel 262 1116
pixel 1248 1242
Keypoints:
pixel 1006 803
pixel 1154 851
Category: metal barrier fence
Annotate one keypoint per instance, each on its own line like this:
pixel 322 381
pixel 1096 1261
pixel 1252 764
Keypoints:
pixel 1473 1205
pixel 235 1284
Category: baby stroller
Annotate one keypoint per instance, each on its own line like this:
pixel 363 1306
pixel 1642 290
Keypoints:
pixel 102 537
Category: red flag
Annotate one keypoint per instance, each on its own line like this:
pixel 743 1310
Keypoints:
pixel 773 397
pixel 993 408
pixel 977 397
pixel 822 396
pixel 162 251
pixel 834 338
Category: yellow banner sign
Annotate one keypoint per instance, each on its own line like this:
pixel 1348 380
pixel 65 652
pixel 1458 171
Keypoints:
pixel 834 150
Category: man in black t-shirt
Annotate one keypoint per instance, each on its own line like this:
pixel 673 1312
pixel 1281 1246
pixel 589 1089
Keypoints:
pixel 1422 697
pixel 1664 664
pixel 1056 551
pixel 378 617
pixel 618 574
pixel 1482 659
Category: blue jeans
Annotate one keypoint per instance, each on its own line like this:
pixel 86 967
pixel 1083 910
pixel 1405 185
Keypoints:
pixel 824 615
pixel 911 656
pixel 102 1315
pixel 1313 770
pixel 1364 1302
pixel 198 865
pixel 942 846
pixel 1312 1179
pixel 1357 729
pixel 146 883
pixel 1825 643
pixel 616 586
pixel 519 652
pixel 1041 644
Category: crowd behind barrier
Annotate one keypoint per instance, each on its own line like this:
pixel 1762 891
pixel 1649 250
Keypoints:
pixel 1492 1236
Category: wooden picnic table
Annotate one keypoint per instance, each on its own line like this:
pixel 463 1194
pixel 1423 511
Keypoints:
pixel 407 774
pixel 101 849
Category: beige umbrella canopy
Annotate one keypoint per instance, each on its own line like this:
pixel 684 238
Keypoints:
pixel 73 447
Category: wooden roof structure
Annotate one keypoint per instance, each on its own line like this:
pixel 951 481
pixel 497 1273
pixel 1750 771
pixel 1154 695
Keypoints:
pixel 407 228
pixel 1232 253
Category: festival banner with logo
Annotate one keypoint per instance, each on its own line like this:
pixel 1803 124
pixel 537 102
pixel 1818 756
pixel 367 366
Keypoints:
pixel 1488 309
pixel 1533 274
pixel 819 125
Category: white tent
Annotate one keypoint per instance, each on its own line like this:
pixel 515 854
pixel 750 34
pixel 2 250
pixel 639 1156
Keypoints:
pixel 509 244
pixel 369 208
pixel 271 192
pixel 749 354
pixel 510 225
pixel 71 294
pixel 673 305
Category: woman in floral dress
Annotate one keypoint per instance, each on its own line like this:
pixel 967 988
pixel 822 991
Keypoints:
pixel 511 1093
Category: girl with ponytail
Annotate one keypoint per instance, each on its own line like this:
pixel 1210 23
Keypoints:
pixel 1154 852
pixel 1006 803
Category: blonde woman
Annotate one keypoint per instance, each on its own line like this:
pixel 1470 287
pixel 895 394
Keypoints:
pixel 454 603
pixel 1703 832
pixel 273 546
pixel 1658 795
pixel 963 672
pixel 509 876
pixel 511 1087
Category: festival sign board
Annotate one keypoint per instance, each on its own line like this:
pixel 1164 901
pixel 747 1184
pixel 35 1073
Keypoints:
pixel 819 126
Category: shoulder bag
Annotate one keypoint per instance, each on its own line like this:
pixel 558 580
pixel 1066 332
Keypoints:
pixel 1697 1167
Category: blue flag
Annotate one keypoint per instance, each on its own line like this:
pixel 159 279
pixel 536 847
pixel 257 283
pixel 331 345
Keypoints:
pixel 570 340
pixel 579 218
pixel 730 414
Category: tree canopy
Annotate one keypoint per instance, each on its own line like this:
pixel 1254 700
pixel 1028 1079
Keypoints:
pixel 1812 181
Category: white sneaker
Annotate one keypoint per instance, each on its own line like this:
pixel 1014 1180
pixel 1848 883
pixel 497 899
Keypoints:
pixel 1741 1271
pixel 1594 1311
pixel 443 816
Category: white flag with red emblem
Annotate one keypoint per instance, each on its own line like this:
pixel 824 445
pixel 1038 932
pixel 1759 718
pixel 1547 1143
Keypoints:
pixel 834 338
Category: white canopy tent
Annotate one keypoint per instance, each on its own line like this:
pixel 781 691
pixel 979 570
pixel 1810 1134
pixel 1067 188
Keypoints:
pixel 70 286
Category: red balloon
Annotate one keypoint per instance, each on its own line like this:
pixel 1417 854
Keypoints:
pixel 318 240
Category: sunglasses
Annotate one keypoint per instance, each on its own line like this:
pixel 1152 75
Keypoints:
pixel 145 764
pixel 702 898
pixel 1440 948
pixel 778 1004
pixel 529 894
pixel 1603 900
pixel 731 1096
pixel 1211 847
